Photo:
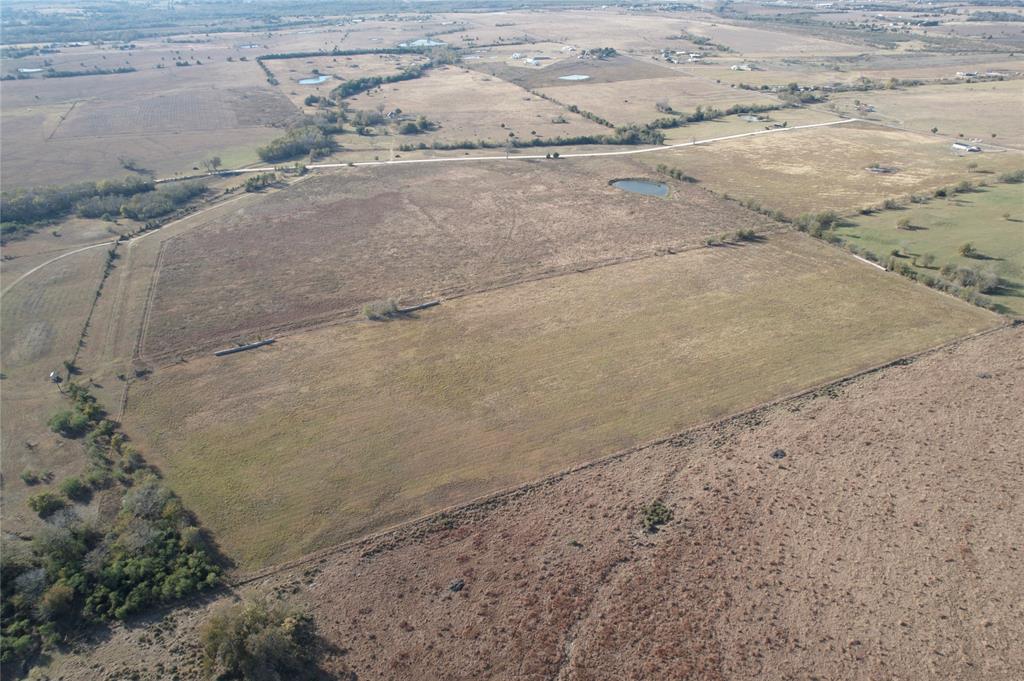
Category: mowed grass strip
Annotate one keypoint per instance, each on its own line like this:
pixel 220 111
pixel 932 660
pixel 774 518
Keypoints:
pixel 334 433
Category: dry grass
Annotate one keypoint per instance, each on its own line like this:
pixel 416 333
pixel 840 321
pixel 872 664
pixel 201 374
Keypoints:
pixel 324 248
pixel 495 109
pixel 828 165
pixel 634 101
pixel 64 130
pixel 953 109
pixel 333 433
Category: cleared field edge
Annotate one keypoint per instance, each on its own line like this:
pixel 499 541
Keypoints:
pixel 415 528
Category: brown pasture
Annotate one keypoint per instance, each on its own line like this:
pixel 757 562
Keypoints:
pixel 829 166
pixel 335 242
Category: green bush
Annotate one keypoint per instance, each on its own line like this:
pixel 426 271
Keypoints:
pixel 69 423
pixel 654 515
pixel 46 504
pixel 257 642
pixel 75 490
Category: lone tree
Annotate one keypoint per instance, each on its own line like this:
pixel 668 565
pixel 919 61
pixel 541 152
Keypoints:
pixel 211 164
pixel 903 223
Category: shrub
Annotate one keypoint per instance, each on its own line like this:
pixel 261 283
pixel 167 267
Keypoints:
pixel 890 204
pixel 29 477
pixel 57 602
pixel 381 309
pixel 409 128
pixel 927 260
pixel 988 282
pixel 903 223
pixel 967 250
pixel 745 235
pixel 75 489
pixel 1015 177
pixel 654 515
pixel 46 504
pixel 69 423
pixel 257 642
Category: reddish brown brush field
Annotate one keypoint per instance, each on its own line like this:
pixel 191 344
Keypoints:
pixel 330 244
pixel 857 532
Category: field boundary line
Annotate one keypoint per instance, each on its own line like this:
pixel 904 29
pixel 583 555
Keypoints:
pixel 406 530
pixel 349 315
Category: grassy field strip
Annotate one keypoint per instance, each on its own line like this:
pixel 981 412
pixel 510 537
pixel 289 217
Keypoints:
pixel 342 431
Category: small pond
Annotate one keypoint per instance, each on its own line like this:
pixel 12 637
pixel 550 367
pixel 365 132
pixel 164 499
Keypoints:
pixel 642 187
pixel 423 42
pixel 315 80
pixel 574 76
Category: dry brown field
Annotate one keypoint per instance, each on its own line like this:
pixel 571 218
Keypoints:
pixel 335 242
pixel 333 433
pixel 610 70
pixel 64 130
pixel 829 165
pixel 827 71
pixel 495 109
pixel 884 544
pixel 635 101
pixel 953 109
pixel 752 42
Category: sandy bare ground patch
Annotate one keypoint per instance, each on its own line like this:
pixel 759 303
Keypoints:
pixel 884 544
pixel 336 242
pixel 333 433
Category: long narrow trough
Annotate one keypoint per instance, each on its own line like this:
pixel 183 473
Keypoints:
pixel 243 348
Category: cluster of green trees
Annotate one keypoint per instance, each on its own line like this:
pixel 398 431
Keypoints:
pixel 25 206
pixel 258 182
pixel 165 199
pixel 626 135
pixel 75 570
pixel 421 124
pixel 310 140
pixel 96 71
pixel 357 85
pixel 138 198
pixel 589 115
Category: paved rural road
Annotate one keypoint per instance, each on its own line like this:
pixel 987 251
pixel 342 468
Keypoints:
pixel 463 159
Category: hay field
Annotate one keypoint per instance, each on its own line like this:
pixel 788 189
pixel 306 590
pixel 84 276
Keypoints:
pixel 829 166
pixel 953 109
pixel 495 109
pixel 634 101
pixel 327 246
pixel 942 225
pixel 336 432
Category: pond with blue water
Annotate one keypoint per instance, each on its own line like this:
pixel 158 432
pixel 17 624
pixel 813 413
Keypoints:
pixel 645 187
